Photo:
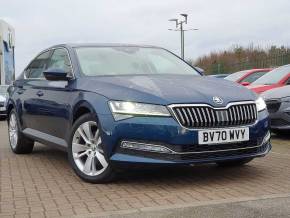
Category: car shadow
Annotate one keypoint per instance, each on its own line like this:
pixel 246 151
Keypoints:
pixel 209 173
pixel 281 136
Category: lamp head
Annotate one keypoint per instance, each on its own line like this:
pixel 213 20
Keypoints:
pixel 185 17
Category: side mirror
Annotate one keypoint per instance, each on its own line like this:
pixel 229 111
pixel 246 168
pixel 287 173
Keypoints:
pixel 245 83
pixel 54 74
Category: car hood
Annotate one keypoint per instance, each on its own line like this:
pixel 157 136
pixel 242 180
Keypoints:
pixel 277 93
pixel 167 89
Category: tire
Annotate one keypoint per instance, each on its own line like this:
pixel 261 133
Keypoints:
pixel 3 118
pixel 19 143
pixel 279 132
pixel 85 151
pixel 234 163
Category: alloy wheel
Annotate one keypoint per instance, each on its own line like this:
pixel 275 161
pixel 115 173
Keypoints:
pixel 87 149
pixel 13 130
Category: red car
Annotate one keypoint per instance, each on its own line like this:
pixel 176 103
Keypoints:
pixel 246 77
pixel 274 79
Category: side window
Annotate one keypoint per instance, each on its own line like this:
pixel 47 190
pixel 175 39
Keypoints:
pixel 60 60
pixel 287 81
pixel 37 66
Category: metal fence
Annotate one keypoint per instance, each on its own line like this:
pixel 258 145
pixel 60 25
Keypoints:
pixel 272 61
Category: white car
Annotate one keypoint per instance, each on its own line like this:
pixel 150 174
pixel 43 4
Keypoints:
pixel 3 101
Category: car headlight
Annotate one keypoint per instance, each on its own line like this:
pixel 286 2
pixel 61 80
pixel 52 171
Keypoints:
pixel 124 109
pixel 285 99
pixel 260 103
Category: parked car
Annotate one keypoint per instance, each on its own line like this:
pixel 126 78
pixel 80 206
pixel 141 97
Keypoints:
pixel 246 77
pixel 221 76
pixel 278 104
pixel 276 78
pixel 3 101
pixel 111 105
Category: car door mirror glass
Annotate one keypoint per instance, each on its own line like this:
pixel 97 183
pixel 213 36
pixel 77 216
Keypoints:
pixel 55 74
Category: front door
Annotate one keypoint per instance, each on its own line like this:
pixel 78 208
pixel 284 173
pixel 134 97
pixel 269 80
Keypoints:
pixel 53 99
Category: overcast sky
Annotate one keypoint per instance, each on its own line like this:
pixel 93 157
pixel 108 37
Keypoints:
pixel 40 24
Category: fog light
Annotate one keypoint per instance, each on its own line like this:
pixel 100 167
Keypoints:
pixel 266 138
pixel 145 147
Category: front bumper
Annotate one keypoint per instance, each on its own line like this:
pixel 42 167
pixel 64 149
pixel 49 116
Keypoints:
pixel 280 119
pixel 167 132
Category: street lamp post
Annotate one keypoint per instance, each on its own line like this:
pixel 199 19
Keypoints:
pixel 179 27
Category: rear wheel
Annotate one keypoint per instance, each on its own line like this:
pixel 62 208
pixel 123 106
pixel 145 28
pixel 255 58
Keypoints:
pixel 86 151
pixel 19 143
pixel 234 163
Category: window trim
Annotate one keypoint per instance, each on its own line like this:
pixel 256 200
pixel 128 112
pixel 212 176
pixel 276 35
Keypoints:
pixel 25 76
pixel 51 50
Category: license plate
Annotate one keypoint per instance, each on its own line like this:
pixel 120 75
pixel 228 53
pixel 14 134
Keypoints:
pixel 219 136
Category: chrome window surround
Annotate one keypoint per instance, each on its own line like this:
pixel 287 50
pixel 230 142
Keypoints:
pixel 171 106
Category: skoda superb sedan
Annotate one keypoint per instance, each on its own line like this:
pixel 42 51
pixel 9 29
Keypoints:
pixel 110 105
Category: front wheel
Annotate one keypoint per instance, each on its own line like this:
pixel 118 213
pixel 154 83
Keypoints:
pixel 234 163
pixel 86 151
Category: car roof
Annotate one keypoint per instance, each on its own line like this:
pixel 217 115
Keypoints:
pixel 77 45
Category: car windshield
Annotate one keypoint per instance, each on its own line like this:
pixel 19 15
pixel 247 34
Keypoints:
pixel 103 61
pixel 273 76
pixel 236 76
pixel 3 90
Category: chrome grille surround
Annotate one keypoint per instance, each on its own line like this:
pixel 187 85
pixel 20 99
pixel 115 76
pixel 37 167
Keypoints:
pixel 198 116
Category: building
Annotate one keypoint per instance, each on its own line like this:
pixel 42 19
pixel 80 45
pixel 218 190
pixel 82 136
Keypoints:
pixel 7 56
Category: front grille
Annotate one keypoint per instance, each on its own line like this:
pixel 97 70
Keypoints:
pixel 194 116
pixel 273 105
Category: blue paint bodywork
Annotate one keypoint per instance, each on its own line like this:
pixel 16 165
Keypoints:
pixel 49 118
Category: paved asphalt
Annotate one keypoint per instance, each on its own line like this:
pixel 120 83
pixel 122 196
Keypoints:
pixel 42 184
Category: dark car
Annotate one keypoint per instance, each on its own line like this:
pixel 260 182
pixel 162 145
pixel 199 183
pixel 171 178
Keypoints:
pixel 111 105
pixel 278 104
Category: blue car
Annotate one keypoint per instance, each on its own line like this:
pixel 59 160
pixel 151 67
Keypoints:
pixel 113 105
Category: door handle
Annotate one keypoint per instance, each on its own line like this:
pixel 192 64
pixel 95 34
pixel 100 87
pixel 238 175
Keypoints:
pixel 39 93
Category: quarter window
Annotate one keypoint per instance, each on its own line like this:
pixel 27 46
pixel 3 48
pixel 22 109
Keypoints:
pixel 37 66
pixel 60 60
